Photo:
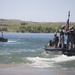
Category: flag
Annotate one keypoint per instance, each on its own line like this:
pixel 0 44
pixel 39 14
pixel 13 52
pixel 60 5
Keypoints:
pixel 67 25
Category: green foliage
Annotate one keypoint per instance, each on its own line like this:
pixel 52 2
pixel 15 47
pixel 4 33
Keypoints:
pixel 38 29
pixel 23 23
pixel 31 27
pixel 3 29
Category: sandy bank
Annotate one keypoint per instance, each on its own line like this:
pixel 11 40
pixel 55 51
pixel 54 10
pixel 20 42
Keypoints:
pixel 11 69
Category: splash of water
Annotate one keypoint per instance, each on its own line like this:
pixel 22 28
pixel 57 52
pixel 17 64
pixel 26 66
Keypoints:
pixel 11 41
pixel 63 58
pixel 49 62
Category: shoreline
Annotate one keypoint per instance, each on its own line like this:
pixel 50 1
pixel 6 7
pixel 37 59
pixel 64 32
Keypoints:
pixel 21 69
pixel 18 69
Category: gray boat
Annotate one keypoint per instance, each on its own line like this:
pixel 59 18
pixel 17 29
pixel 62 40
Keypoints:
pixel 67 48
pixel 2 39
pixel 48 48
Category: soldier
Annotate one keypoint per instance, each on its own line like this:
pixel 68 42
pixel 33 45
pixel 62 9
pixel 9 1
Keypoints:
pixel 70 38
pixel 56 40
pixel 61 31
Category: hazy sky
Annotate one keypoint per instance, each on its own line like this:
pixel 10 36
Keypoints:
pixel 38 10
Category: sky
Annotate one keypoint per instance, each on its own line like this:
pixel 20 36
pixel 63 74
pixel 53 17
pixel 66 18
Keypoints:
pixel 38 10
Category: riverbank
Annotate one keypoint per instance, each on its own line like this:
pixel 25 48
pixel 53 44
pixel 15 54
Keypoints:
pixel 24 70
pixel 11 25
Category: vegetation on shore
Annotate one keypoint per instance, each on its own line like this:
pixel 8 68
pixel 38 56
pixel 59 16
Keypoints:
pixel 29 26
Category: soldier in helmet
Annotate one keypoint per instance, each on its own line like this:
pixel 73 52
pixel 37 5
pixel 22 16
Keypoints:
pixel 70 38
pixel 56 40
pixel 61 31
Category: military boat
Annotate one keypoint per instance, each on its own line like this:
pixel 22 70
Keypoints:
pixel 2 39
pixel 67 48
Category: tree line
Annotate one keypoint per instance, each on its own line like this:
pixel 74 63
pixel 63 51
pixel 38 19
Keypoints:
pixel 3 29
pixel 38 29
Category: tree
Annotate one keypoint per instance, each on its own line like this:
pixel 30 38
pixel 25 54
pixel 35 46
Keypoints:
pixel 23 23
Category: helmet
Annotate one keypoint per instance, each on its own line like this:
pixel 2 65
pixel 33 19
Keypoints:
pixel 71 28
pixel 63 26
pixel 55 34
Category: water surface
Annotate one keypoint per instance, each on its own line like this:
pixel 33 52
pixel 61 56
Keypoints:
pixel 28 49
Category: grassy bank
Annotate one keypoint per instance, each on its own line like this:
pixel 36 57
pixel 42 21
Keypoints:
pixel 29 26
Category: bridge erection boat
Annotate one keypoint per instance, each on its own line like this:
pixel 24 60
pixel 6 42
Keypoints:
pixel 58 42
pixel 2 39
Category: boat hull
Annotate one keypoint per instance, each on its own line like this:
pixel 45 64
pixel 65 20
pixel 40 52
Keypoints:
pixel 52 49
pixel 3 39
pixel 67 52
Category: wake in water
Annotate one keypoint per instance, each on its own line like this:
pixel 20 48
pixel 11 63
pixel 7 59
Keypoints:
pixel 40 62
pixel 29 49
pixel 49 62
pixel 10 41
pixel 63 58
